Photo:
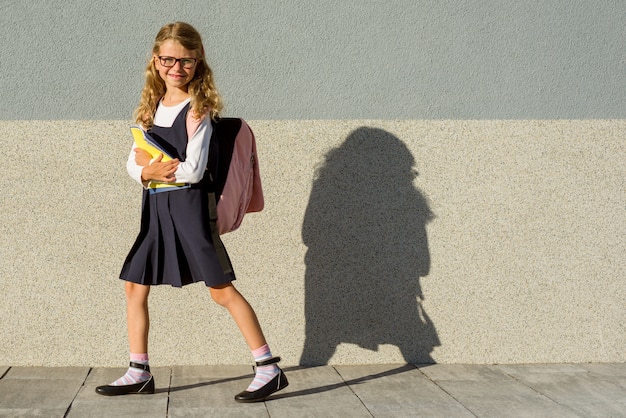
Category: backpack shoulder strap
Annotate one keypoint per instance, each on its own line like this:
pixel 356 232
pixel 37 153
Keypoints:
pixel 193 123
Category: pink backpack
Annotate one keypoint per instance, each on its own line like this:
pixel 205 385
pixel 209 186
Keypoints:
pixel 234 167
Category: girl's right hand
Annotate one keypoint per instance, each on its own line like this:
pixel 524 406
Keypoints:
pixel 160 171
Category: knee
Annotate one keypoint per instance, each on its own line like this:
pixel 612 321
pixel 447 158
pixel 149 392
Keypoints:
pixel 136 292
pixel 223 295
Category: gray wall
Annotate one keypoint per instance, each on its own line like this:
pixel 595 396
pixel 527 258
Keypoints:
pixel 327 59
pixel 445 181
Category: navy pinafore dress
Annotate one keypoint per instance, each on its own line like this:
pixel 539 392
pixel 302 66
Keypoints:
pixel 174 244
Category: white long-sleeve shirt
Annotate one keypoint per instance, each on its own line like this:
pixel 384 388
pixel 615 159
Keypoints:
pixel 197 152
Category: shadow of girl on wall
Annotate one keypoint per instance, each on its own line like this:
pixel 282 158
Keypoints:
pixel 365 230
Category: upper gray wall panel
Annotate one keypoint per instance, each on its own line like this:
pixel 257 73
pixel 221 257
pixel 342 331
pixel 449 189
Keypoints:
pixel 463 59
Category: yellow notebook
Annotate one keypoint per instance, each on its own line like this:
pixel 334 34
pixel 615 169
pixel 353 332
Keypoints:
pixel 144 141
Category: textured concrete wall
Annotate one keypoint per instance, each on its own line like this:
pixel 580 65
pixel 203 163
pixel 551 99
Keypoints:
pixel 444 181
pixel 468 241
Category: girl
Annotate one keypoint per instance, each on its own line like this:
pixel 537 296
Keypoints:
pixel 174 245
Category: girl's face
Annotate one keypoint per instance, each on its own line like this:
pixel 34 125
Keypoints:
pixel 176 65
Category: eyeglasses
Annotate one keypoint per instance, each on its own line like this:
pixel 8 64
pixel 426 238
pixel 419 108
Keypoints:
pixel 186 63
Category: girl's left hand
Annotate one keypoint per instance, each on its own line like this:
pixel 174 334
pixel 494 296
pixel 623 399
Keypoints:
pixel 142 157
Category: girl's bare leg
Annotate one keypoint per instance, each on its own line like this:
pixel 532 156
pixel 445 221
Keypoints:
pixel 137 317
pixel 137 378
pixel 268 377
pixel 227 296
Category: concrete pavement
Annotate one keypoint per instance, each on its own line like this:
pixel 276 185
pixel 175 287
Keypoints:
pixel 438 390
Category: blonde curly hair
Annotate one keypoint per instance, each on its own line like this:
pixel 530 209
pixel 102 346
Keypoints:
pixel 204 96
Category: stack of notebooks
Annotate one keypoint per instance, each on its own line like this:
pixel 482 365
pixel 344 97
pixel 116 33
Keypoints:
pixel 144 141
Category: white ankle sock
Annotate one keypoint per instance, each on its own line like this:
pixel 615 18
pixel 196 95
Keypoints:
pixel 134 375
pixel 263 373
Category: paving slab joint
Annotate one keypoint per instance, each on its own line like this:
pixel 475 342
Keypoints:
pixel 69 408
pixel 451 395
pixel 169 391
pixel 347 384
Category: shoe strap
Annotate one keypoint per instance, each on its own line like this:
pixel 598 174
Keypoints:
pixel 145 367
pixel 267 362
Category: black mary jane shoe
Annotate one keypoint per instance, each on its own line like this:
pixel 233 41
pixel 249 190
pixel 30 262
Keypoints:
pixel 146 387
pixel 277 383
